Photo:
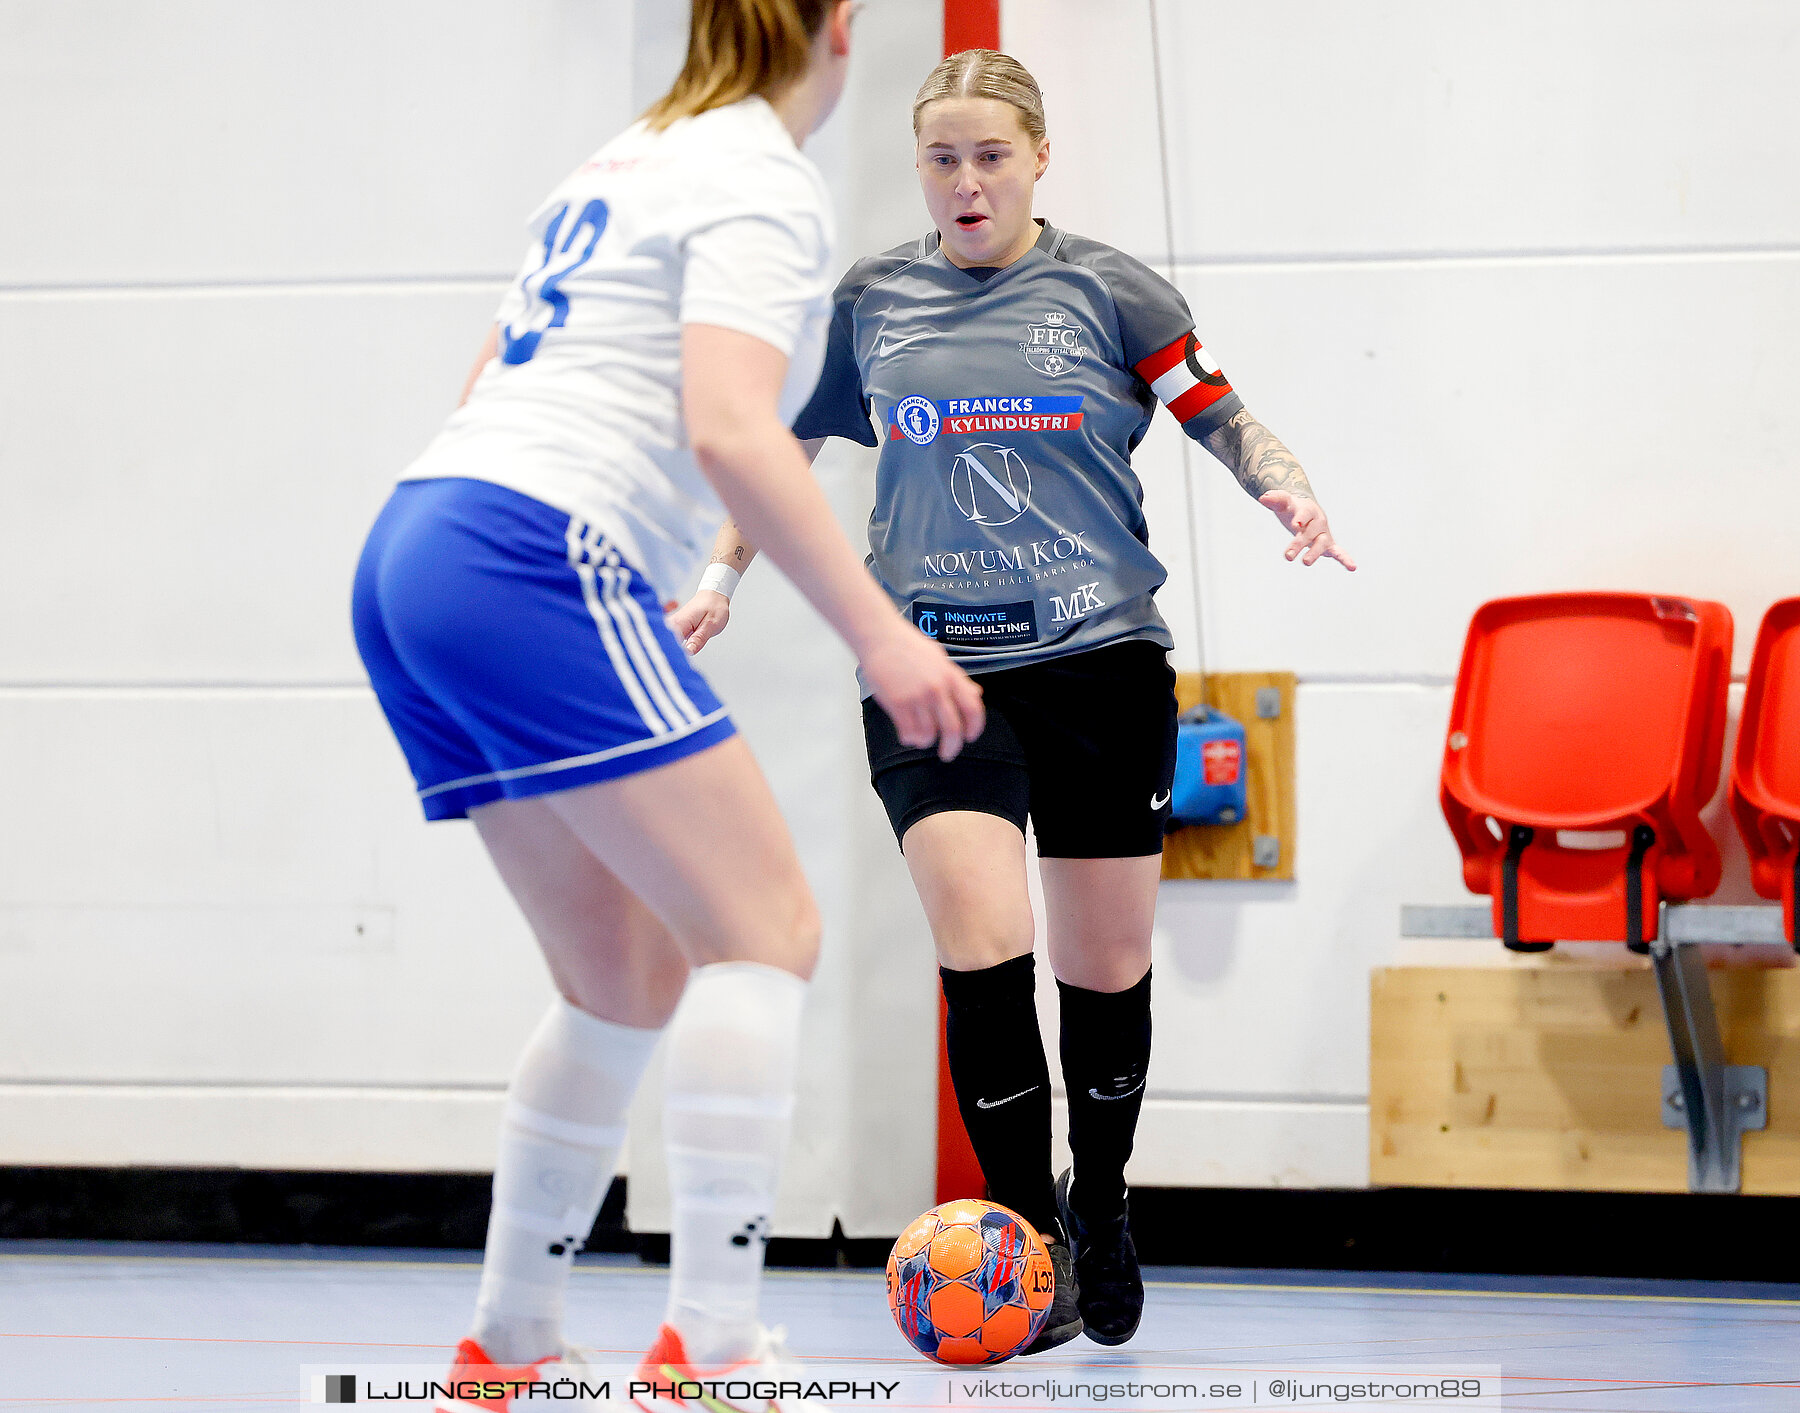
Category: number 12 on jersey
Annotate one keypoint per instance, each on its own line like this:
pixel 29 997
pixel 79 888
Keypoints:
pixel 542 288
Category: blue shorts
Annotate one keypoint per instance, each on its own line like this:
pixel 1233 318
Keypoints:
pixel 515 651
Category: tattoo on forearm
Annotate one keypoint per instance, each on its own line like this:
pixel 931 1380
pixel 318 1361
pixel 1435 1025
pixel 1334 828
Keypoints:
pixel 731 553
pixel 1256 456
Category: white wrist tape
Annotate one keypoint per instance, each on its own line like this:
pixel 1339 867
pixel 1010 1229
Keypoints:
pixel 721 579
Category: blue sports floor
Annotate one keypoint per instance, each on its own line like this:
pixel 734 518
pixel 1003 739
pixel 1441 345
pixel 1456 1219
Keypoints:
pixel 95 1326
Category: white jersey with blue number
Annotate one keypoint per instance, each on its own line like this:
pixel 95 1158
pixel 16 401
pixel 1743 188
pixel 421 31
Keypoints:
pixel 718 219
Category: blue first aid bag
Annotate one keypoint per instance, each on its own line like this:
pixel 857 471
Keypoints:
pixel 1210 769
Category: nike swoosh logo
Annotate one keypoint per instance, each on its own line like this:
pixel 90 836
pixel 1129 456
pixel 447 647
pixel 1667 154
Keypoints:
pixel 996 1103
pixel 1158 801
pixel 889 345
pixel 1126 1095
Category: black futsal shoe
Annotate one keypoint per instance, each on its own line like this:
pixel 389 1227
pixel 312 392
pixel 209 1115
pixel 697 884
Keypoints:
pixel 1106 1269
pixel 1063 1320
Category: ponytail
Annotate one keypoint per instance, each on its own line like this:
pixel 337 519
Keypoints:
pixel 740 49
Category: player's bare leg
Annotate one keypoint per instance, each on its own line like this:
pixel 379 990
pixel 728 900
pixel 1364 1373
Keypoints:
pixel 564 1119
pixel 628 884
pixel 1100 913
pixel 969 869
pixel 701 844
pixel 1098 918
pixel 608 954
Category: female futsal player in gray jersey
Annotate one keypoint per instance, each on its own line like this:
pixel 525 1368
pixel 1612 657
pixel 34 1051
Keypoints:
pixel 1010 369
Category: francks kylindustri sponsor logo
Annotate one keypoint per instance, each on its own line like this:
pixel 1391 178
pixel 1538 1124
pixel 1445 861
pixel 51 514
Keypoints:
pixel 915 418
pixel 920 419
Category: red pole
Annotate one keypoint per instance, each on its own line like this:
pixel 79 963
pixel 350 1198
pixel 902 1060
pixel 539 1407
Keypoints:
pixel 968 24
pixel 958 1169
pixel 971 24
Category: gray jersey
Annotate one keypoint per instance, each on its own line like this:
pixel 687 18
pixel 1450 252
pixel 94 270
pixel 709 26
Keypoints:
pixel 1008 523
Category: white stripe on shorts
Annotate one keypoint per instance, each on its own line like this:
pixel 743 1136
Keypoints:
pixel 521 772
pixel 615 581
pixel 652 647
pixel 607 566
pixel 581 561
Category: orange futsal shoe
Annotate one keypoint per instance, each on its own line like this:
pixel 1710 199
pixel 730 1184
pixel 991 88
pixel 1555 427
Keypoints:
pixel 476 1384
pixel 769 1381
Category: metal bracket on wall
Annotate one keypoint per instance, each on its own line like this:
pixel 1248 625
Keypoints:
pixel 1268 704
pixel 1746 1108
pixel 1715 1102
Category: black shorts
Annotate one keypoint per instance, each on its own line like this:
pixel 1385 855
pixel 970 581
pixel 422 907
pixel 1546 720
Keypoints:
pixel 1084 745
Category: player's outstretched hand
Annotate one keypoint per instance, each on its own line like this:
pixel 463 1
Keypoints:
pixel 701 619
pixel 1304 519
pixel 929 698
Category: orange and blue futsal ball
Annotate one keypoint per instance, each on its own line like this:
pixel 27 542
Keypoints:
pixel 970 1283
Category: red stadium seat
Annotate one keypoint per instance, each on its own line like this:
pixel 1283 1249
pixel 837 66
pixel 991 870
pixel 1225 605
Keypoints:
pixel 1765 773
pixel 1583 715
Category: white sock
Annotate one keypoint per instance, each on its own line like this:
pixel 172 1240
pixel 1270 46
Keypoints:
pixel 559 1143
pixel 728 1097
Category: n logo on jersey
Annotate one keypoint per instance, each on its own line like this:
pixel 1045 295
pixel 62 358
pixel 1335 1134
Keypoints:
pixel 990 484
pixel 1054 346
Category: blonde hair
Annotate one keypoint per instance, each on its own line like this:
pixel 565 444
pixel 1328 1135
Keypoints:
pixel 985 73
pixel 740 49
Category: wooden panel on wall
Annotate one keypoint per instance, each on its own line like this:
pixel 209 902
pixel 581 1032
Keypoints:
pixel 1228 850
pixel 1550 1077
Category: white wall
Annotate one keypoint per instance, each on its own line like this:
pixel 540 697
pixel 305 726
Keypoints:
pixel 1518 285
pixel 246 255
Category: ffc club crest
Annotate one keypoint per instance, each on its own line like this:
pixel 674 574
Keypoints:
pixel 990 484
pixel 1054 346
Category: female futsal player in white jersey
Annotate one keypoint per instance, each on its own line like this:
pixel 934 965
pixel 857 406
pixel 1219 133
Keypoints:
pixel 1012 368
pixel 668 323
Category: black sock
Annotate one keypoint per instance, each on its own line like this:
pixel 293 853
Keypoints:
pixel 1003 1083
pixel 1105 1054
